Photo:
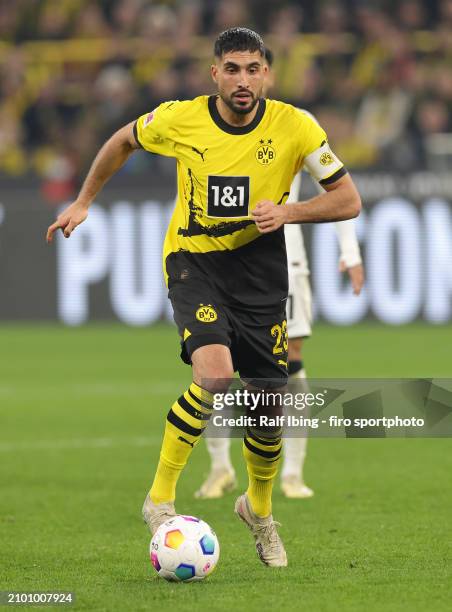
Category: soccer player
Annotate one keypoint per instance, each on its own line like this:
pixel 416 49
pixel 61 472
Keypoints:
pixel 221 477
pixel 224 254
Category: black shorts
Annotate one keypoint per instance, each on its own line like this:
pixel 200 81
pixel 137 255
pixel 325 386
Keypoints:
pixel 258 340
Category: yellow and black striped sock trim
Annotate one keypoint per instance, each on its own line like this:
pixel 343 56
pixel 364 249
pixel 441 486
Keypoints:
pixel 202 395
pixel 188 414
pixel 182 424
pixel 265 452
pixel 198 403
pixel 265 441
pixel 192 408
pixel 201 407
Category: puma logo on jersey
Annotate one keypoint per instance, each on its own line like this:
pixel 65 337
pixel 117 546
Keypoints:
pixel 201 154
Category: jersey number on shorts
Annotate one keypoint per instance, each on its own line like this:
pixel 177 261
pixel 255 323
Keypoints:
pixel 282 339
pixel 228 196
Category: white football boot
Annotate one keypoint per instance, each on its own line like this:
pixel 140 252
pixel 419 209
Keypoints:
pixel 294 488
pixel 269 546
pixel 155 515
pixel 217 483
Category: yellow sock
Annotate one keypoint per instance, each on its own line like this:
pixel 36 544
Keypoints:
pixel 185 423
pixel 262 455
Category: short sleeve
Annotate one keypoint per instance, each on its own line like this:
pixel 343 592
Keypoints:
pixel 153 130
pixel 318 158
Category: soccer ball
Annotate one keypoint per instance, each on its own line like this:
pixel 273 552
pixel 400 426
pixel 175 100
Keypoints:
pixel 184 549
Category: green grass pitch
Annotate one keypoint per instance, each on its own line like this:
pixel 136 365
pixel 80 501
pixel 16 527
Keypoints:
pixel 81 417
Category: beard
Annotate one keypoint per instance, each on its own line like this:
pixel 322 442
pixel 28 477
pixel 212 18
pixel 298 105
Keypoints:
pixel 240 109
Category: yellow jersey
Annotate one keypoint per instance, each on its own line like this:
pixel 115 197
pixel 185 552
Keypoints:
pixel 223 172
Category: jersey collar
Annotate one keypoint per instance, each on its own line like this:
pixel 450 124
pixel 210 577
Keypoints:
pixel 234 129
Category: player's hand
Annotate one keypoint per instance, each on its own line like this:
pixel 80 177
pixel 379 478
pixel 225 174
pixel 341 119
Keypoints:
pixel 74 214
pixel 356 275
pixel 268 216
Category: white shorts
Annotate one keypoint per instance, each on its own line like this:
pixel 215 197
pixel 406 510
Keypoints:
pixel 299 305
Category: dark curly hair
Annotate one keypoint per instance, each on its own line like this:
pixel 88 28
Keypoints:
pixel 238 39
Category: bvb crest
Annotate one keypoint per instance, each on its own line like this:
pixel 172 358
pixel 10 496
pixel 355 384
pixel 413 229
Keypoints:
pixel 206 314
pixel 265 153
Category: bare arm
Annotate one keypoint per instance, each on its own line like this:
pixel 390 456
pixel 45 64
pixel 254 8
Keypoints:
pixel 107 162
pixel 340 201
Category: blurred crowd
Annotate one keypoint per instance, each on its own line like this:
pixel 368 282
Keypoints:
pixel 378 75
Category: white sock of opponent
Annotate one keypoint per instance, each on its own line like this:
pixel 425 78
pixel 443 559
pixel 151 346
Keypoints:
pixel 294 449
pixel 219 453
